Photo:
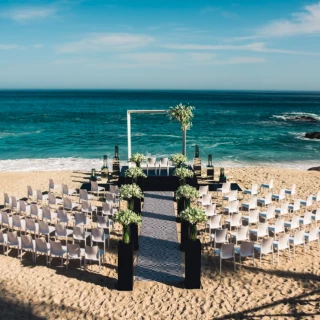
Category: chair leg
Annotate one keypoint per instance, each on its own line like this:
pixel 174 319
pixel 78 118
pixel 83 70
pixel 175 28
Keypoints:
pixel 220 263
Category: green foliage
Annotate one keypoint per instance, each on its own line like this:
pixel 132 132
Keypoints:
pixel 137 158
pixel 188 192
pixel 179 159
pixel 194 215
pixel 134 173
pixel 127 217
pixel 183 173
pixel 129 191
pixel 183 114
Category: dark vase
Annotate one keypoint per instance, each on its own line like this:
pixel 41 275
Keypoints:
pixel 185 227
pixel 137 205
pixel 180 206
pixel 134 236
pixel 193 264
pixel 125 266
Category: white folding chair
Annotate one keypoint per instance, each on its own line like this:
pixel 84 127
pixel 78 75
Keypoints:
pixel 306 219
pixel 47 215
pixel 233 207
pixel 268 214
pixel 283 210
pixel 32 226
pixel 297 240
pixel 206 200
pixel 253 191
pixel 57 250
pixel 246 249
pixel 316 199
pixel 100 236
pixel 277 228
pixel 80 234
pixel 265 247
pixel 30 193
pixel 268 186
pixel 226 252
pixel 234 221
pixel 42 198
pixel 18 223
pixel 267 200
pixel 219 236
pixel 291 192
pixel 151 165
pixel 62 232
pixel 28 244
pixel 7 201
pixel 261 230
pixel 252 218
pixel 88 208
pixel 92 254
pixel 45 230
pixel 282 244
pixel 74 252
pixel 308 202
pixel 241 234
pixel 35 212
pixel 13 241
pixel 68 205
pixel 95 188
pixel 316 217
pixel 164 164
pixel 293 224
pixel 252 204
pixel 68 192
pixel 42 247
pixel 281 196
pixel 53 186
pixel 210 210
pixel 83 195
pixel 295 207
pixel 53 201
pixel 312 235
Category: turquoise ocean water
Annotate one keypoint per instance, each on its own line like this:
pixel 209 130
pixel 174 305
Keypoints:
pixel 50 130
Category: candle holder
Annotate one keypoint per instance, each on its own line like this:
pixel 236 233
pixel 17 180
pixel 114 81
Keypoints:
pixel 210 169
pixel 222 177
pixel 93 176
pixel 104 169
pixel 116 152
pixel 210 161
pixel 196 151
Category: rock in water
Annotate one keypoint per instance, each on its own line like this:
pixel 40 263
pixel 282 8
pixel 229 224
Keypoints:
pixel 304 118
pixel 312 135
pixel 314 169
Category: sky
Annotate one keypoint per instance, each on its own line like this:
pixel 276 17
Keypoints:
pixel 135 44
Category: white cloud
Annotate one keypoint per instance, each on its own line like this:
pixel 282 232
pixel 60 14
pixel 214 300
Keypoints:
pixel 25 14
pixel 8 46
pixel 241 60
pixel 150 57
pixel 306 22
pixel 255 46
pixel 201 57
pixel 106 42
pixel 70 61
pixel 37 46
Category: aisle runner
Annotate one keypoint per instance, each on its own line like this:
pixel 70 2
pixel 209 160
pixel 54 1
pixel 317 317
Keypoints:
pixel 159 255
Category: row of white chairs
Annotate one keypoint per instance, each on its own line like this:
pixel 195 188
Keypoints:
pixel 267 245
pixel 52 249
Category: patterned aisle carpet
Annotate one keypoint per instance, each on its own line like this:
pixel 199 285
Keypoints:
pixel 159 255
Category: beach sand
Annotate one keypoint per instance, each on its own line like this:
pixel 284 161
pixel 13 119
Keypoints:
pixel 290 290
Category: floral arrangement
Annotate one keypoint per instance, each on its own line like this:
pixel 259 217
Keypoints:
pixel 126 218
pixel 183 114
pixel 135 173
pixel 193 215
pixel 188 192
pixel 182 174
pixel 137 158
pixel 129 191
pixel 179 159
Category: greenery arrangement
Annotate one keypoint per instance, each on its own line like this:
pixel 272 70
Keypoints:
pixel 182 174
pixel 193 215
pixel 183 114
pixel 179 159
pixel 130 192
pixel 188 192
pixel 137 158
pixel 135 173
pixel 126 218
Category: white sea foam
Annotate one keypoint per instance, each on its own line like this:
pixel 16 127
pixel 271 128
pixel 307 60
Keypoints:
pixel 12 134
pixel 75 164
pixel 292 115
pixel 300 136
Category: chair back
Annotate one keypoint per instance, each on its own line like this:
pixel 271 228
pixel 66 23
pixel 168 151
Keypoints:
pixel 318 196
pixel 242 233
pixel 23 206
pixel 16 221
pixel 254 189
pixel 307 218
pixel 253 216
pixel 2 241
pixel 233 206
pixel 30 191
pixel 65 190
pixel 317 215
pixel 43 228
pixel 41 245
pixel 211 209
pixel 247 249
pixel 293 189
pixel 97 234
pixel 113 188
pixel 296 205
pixel 309 201
pixel 39 195
pixel 164 162
pixel 221 236
pixel 52 199
pixel 94 186
pixel 62 215
pixel 34 209
pixel 226 187
pixel 233 195
pixel 271 184
pixel 103 222
pixel 282 194
pixel 5 217
pixel 86 206
pixel 271 212
pixel 61 230
pixel 56 248
pixel 26 242
pixel 267 245
pixel 283 242
pixel 227 251
pixel 80 219
pixel 51 184
pixel 295 222
pixel 236 219
pixel 314 234
pixel 262 229
pixel 6 199
pixel 107 209
pixel 111 197
pixel 268 198
pixel 279 225
pixel 14 203
pixel 253 203
pixel 206 199
pixel 13 238
pixel 203 190
pixel 215 222
pixel 284 209
pixel 46 213
pixel 84 194
pixel 299 237
pixel 152 162
pixel 67 203
pixel 79 233
pixel 74 250
pixel 92 253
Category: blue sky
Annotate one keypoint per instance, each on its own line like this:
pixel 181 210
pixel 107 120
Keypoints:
pixel 262 45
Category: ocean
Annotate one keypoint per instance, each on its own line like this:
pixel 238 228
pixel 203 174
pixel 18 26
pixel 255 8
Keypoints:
pixel 67 130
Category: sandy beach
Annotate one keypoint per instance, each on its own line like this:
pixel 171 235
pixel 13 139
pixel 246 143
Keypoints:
pixel 290 290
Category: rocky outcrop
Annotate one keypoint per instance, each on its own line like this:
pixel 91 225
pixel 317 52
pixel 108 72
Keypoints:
pixel 314 169
pixel 312 135
pixel 304 118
